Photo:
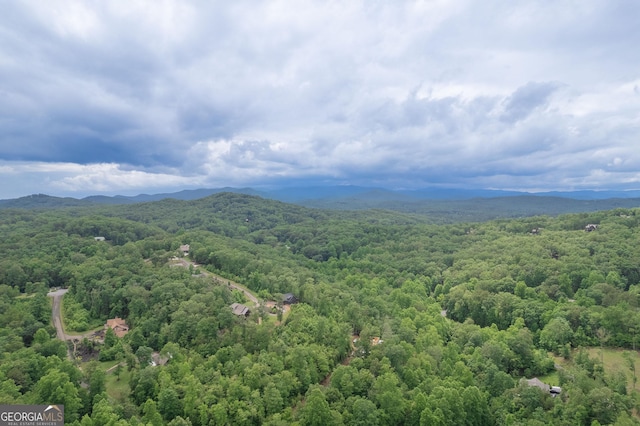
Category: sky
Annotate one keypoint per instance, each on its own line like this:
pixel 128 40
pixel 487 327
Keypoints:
pixel 131 97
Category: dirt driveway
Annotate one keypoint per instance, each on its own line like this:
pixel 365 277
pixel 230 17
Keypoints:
pixel 219 280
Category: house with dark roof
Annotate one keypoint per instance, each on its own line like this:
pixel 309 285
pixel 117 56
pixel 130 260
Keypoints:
pixel 240 310
pixel 289 299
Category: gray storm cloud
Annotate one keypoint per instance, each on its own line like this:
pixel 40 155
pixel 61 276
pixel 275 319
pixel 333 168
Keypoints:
pixel 201 93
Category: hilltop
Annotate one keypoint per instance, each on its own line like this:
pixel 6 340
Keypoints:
pixel 440 206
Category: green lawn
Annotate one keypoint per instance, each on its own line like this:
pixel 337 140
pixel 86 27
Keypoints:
pixel 108 364
pixel 613 361
pixel 118 389
pixel 551 379
pixel 26 296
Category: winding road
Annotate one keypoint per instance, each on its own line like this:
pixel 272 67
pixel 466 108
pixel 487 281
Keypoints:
pixel 57 295
pixel 221 280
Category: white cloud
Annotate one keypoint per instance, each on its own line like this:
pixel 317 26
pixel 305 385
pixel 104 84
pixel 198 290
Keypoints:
pixel 152 94
pixel 81 180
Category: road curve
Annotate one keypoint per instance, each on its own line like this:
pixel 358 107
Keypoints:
pixel 222 280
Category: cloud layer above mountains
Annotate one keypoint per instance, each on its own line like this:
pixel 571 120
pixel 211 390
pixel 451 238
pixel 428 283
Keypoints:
pixel 141 96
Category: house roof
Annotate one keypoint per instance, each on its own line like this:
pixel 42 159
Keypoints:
pixel 539 384
pixel 118 325
pixel 158 359
pixel 117 321
pixel 289 298
pixel 240 309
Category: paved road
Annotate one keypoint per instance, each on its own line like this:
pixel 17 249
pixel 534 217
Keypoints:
pixel 56 316
pixel 55 312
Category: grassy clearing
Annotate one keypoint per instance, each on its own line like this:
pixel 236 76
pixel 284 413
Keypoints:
pixel 118 389
pixel 26 296
pixel 613 361
pixel 108 364
pixel 269 320
pixel 551 379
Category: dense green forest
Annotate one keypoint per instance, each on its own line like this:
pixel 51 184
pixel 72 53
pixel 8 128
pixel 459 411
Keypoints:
pixel 399 320
pixel 434 210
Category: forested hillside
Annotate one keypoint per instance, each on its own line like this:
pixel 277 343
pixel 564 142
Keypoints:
pixel 438 207
pixel 399 320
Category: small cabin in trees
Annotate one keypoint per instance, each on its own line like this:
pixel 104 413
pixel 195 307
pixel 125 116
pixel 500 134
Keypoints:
pixel 535 382
pixel 184 249
pixel 289 299
pixel 118 325
pixel 552 390
pixel 240 310
pixel 591 227
pixel 157 359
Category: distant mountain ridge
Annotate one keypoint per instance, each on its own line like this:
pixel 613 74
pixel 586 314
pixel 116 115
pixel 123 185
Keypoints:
pixel 456 204
pixel 186 195
pixel 302 193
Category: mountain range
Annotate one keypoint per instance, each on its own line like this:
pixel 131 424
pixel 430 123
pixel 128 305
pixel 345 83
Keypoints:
pixel 452 205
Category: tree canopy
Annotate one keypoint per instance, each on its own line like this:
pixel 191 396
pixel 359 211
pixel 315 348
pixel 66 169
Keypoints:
pixel 399 320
